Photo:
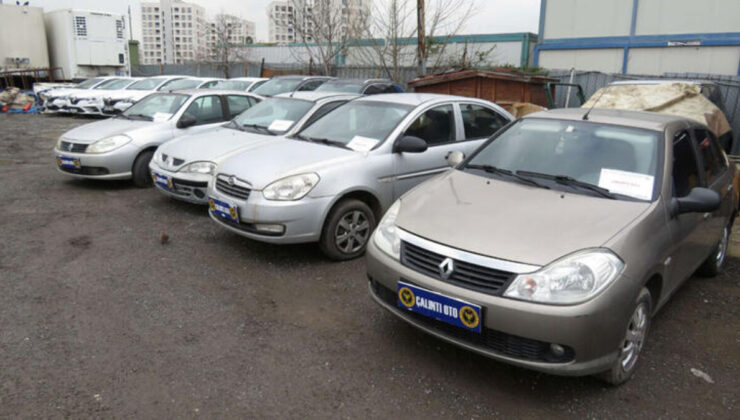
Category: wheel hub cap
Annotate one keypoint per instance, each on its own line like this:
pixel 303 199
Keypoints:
pixel 635 337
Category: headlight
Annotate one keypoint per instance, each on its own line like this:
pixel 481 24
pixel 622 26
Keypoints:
pixel 59 143
pixel 573 279
pixel 386 235
pixel 108 144
pixel 291 188
pixel 200 168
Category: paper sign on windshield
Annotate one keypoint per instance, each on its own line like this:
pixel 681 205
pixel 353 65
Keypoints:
pixel 161 116
pixel 627 183
pixel 280 125
pixel 362 144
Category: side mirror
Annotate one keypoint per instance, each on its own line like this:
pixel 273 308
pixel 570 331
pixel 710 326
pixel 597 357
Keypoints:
pixel 455 158
pixel 410 144
pixel 186 121
pixel 699 200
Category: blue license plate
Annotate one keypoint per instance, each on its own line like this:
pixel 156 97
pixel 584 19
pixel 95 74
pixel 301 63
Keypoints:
pixel 163 181
pixel 68 162
pixel 440 307
pixel 223 209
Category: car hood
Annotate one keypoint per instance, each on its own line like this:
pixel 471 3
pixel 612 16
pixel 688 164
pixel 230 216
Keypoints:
pixel 281 157
pixel 512 221
pixel 98 130
pixel 211 144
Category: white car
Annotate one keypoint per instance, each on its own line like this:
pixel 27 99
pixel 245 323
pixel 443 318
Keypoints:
pixel 90 102
pixel 119 100
pixel 246 84
pixel 56 99
pixel 186 163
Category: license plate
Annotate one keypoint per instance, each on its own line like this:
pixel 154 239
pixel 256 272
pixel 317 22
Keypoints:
pixel 68 162
pixel 163 181
pixel 223 209
pixel 440 307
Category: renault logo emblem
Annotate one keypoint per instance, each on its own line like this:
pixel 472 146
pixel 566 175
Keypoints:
pixel 446 268
pixel 232 180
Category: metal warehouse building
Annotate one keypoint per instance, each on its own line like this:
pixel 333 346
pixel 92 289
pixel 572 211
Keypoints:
pixel 640 36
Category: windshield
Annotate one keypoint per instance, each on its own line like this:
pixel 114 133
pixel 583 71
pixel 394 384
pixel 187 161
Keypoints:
pixel 277 86
pixel 114 84
pixel 87 84
pixel 231 85
pixel 619 159
pixel 179 84
pixel 357 125
pixel 341 87
pixel 276 114
pixel 160 106
pixel 146 84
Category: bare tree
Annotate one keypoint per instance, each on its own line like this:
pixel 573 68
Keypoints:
pixel 222 43
pixel 393 25
pixel 321 29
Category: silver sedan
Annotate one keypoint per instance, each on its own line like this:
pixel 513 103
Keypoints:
pixel 333 180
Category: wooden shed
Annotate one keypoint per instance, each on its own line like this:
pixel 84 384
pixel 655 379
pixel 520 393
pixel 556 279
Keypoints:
pixel 503 88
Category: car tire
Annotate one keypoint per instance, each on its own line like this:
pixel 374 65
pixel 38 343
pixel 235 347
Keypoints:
pixel 140 174
pixel 634 339
pixel 347 230
pixel 714 264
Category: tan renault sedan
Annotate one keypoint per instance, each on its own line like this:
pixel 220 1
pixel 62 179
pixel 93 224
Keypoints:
pixel 553 244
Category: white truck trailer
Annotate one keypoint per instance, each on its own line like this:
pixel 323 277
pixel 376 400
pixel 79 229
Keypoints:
pixel 86 44
pixel 22 38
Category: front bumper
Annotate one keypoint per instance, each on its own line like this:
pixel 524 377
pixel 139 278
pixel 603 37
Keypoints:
pixel 301 219
pixel 116 107
pixel 188 187
pixel 516 332
pixel 84 107
pixel 112 165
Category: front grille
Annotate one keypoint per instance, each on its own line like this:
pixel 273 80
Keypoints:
pixel 467 275
pixel 73 147
pixel 177 162
pixel 87 170
pixel 222 185
pixel 245 227
pixel 187 183
pixel 490 340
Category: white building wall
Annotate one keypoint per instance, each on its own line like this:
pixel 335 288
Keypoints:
pixel 587 18
pixel 663 17
pixel 711 60
pixel 605 60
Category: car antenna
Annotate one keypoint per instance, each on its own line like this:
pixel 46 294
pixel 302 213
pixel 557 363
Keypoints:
pixel 585 116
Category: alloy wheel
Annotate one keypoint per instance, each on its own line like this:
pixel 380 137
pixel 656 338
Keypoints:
pixel 635 337
pixel 721 254
pixel 352 232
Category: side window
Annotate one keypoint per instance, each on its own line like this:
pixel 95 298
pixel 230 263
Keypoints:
pixel 390 89
pixel 685 168
pixel 374 89
pixel 255 85
pixel 237 104
pixel 480 122
pixel 312 85
pixel 208 85
pixel 436 126
pixel 206 110
pixel 710 154
pixel 325 109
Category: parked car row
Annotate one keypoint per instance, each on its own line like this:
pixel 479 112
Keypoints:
pixel 547 242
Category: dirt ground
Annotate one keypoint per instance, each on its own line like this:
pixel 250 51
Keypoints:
pixel 99 319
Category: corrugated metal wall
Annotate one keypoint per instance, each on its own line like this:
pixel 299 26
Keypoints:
pixel 592 81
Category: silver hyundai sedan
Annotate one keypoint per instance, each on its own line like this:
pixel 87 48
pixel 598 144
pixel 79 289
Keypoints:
pixel 121 147
pixel 184 165
pixel 332 180
pixel 553 244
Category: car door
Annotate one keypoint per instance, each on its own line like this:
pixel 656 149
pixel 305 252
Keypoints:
pixel 688 231
pixel 439 127
pixel 715 170
pixel 208 111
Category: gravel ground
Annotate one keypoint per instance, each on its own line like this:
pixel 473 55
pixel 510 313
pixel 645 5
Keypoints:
pixel 99 319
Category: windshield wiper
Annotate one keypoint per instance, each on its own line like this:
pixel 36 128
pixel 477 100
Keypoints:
pixel 494 170
pixel 570 181
pixel 258 127
pixel 321 141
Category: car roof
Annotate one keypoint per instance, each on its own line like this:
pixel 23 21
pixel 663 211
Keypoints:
pixel 248 79
pixel 314 96
pixel 360 81
pixel 415 99
pixel 202 92
pixel 302 77
pixel 639 119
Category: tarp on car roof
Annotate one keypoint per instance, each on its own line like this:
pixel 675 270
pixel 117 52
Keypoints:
pixel 681 99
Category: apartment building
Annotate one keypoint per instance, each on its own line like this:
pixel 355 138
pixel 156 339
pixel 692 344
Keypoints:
pixel 296 20
pixel 231 29
pixel 173 32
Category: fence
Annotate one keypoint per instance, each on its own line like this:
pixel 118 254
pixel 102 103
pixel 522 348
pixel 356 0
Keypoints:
pixel 729 87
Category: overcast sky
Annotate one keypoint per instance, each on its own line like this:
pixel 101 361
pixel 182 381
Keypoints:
pixel 492 16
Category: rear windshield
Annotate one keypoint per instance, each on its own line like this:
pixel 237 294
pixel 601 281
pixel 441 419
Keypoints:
pixel 231 85
pixel 180 84
pixel 87 84
pixel 277 86
pixel 623 160
pixel 146 84
pixel 114 84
